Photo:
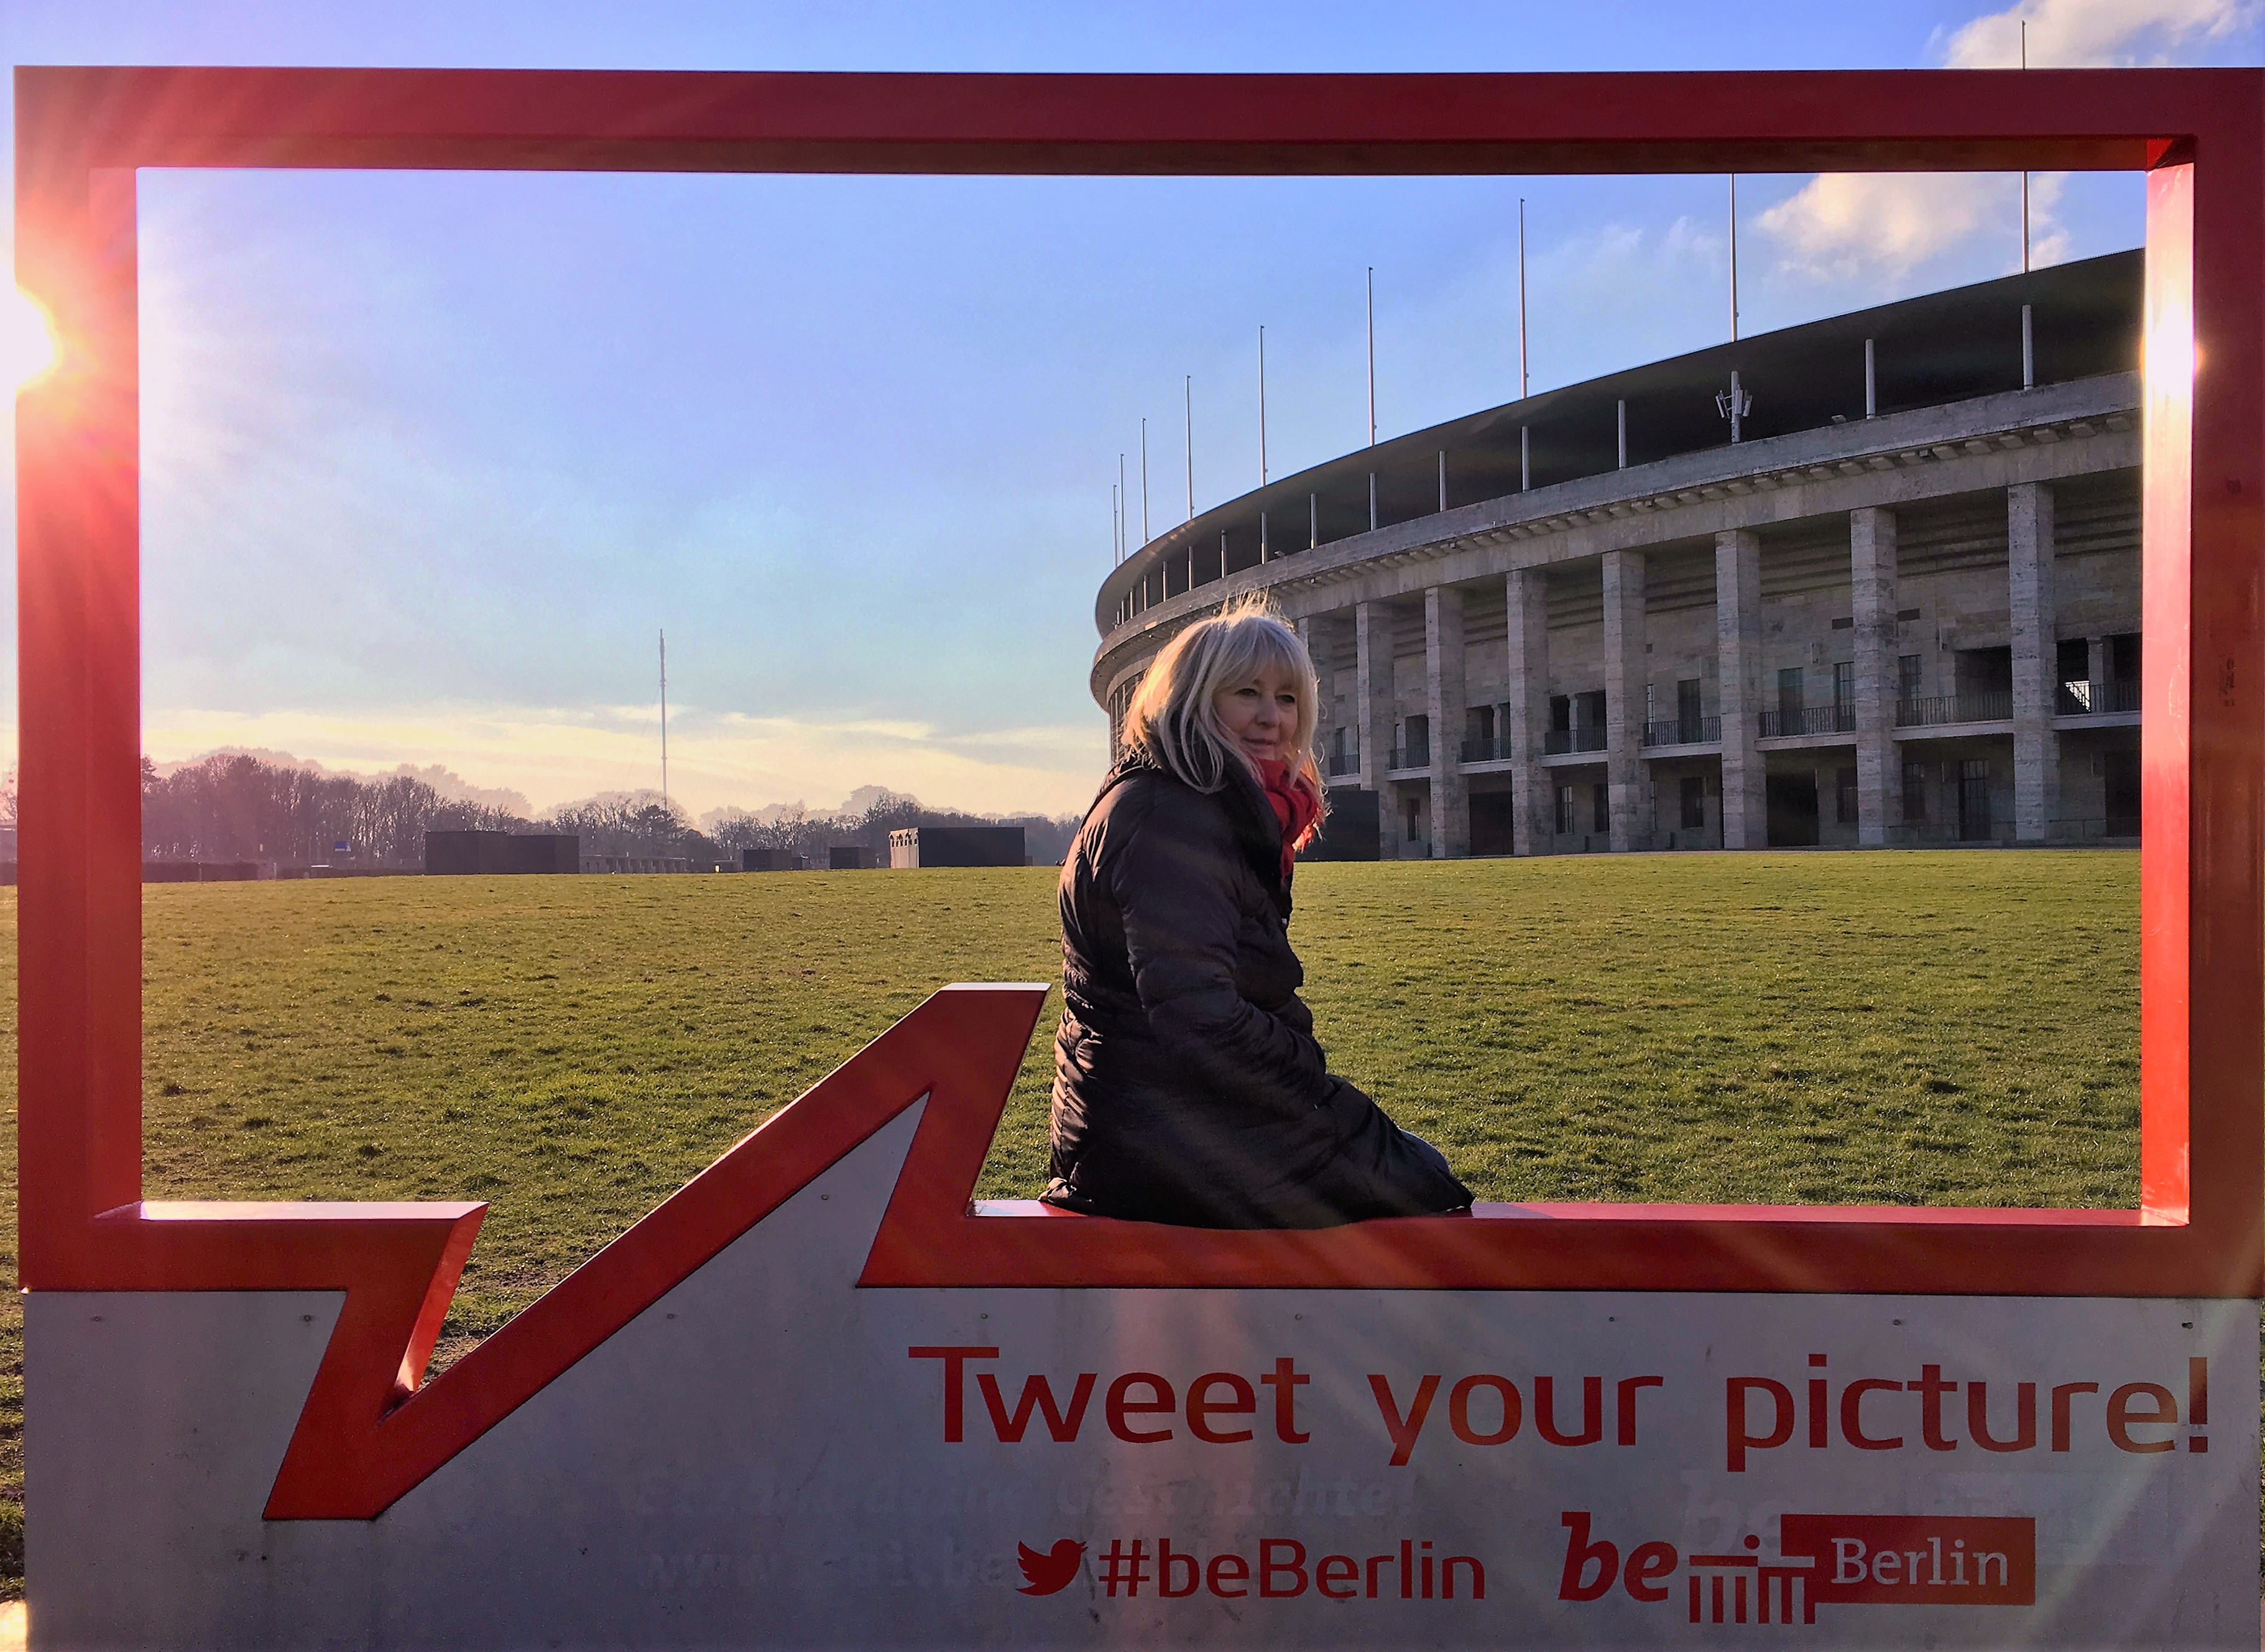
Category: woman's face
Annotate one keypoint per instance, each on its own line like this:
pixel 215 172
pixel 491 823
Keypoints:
pixel 1260 713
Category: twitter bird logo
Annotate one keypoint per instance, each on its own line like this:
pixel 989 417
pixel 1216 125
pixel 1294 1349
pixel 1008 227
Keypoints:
pixel 1049 1573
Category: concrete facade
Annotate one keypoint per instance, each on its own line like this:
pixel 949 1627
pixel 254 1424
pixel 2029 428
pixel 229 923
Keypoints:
pixel 1918 629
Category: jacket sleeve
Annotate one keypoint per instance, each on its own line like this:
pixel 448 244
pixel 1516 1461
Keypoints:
pixel 1172 881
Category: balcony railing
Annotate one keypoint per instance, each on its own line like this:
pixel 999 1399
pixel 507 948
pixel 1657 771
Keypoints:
pixel 1989 705
pixel 2089 699
pixel 1344 763
pixel 1683 731
pixel 1558 742
pixel 1478 751
pixel 1411 756
pixel 1837 718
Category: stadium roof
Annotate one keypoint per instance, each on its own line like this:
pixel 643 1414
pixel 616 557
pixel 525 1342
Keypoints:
pixel 2085 320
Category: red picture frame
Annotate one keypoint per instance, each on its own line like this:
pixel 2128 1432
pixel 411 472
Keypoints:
pixel 81 132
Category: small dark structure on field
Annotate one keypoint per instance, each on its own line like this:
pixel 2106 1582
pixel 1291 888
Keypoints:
pixel 497 854
pixel 849 858
pixel 956 846
pixel 200 871
pixel 1354 829
pixel 769 861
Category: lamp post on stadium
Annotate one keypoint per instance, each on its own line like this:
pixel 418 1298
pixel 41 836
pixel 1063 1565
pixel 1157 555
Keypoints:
pixel 1734 405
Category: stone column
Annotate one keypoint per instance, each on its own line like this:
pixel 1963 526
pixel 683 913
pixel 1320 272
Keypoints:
pixel 1444 703
pixel 2029 585
pixel 1528 686
pixel 1738 655
pixel 1305 627
pixel 1879 769
pixel 1373 689
pixel 1625 672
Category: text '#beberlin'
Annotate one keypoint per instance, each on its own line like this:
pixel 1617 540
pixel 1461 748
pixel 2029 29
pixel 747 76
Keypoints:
pixel 1283 1569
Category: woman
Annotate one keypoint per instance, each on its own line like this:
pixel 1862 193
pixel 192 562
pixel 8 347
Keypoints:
pixel 1188 1086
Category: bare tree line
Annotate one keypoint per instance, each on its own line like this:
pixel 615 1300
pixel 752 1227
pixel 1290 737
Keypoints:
pixel 236 807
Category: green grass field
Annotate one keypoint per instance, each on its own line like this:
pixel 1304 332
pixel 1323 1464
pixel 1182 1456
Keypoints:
pixel 1913 1028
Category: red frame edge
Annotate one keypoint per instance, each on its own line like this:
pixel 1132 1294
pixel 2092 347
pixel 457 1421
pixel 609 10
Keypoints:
pixel 82 1226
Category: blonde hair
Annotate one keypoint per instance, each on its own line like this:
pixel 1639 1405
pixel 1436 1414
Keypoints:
pixel 1173 721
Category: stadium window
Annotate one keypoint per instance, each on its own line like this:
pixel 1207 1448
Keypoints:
pixel 1560 714
pixel 2123 658
pixel 1601 807
pixel 1974 800
pixel 1844 789
pixel 2073 677
pixel 1914 794
pixel 1413 811
pixel 1907 678
pixel 1844 687
pixel 1565 809
pixel 1792 700
pixel 1694 802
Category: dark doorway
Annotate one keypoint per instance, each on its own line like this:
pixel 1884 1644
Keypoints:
pixel 2123 672
pixel 1793 810
pixel 1974 800
pixel 1984 682
pixel 2122 768
pixel 1354 829
pixel 1493 823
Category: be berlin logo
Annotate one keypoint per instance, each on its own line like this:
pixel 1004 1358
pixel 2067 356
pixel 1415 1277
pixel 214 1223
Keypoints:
pixel 1835 1559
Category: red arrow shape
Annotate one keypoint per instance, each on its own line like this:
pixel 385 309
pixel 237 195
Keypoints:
pixel 367 1434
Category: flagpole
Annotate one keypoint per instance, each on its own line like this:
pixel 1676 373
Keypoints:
pixel 1733 257
pixel 2025 177
pixel 1262 407
pixel 1188 413
pixel 1371 355
pixel 1521 299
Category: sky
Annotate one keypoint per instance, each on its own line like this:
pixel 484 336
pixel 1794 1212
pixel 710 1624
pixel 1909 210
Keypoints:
pixel 431 460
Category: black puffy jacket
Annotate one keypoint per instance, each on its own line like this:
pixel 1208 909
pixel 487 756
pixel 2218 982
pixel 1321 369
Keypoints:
pixel 1188 1085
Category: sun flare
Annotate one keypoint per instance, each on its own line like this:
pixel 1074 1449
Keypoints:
pixel 28 345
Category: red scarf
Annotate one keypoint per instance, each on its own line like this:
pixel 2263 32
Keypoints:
pixel 1296 810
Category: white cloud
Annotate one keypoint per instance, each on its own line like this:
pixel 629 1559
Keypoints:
pixel 1841 225
pixel 2094 34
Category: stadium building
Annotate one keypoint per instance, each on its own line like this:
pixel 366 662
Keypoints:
pixel 1885 595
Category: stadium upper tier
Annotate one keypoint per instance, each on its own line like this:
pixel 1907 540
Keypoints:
pixel 1923 352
